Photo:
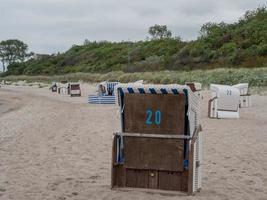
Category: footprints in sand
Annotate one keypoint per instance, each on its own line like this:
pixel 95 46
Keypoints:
pixel 249 182
pixel 2 191
pixel 54 186
pixel 227 157
pixel 63 185
pixel 71 186
pixel 68 196
pixel 94 178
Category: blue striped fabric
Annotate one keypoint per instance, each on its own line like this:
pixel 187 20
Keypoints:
pixel 141 90
pixel 152 89
pixel 94 99
pixel 163 91
pixel 130 90
pixel 111 85
pixel 175 91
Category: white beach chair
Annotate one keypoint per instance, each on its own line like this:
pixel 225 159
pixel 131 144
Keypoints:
pixel 74 89
pixel 224 102
pixel 245 97
pixel 64 88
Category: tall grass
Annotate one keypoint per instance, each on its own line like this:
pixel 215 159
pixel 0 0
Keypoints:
pixel 253 76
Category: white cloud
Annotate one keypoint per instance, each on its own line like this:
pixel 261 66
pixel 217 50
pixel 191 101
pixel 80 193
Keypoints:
pixel 48 26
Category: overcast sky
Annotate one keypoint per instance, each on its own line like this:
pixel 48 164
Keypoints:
pixel 49 26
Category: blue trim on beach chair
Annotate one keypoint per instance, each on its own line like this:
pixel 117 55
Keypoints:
pixel 94 99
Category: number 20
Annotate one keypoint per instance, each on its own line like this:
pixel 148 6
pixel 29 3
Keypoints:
pixel 149 114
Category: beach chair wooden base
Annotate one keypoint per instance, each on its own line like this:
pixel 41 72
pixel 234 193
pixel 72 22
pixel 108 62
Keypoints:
pixel 152 191
pixel 161 174
pixel 75 95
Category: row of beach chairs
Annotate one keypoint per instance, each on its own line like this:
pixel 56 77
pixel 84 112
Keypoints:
pixel 225 102
pixel 65 88
pixel 159 144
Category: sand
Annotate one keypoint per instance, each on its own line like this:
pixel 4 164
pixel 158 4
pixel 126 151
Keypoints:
pixel 55 147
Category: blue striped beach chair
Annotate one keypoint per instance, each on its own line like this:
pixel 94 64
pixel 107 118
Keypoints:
pixel 104 97
pixel 139 158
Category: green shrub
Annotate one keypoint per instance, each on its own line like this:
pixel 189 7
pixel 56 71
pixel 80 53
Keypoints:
pixel 262 50
pixel 240 44
pixel 255 77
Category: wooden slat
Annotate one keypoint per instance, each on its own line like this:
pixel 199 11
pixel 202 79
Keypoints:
pixel 176 194
pixel 137 178
pixel 167 136
pixel 170 180
pixel 120 176
pixel 154 153
pixel 153 179
pixel 118 172
pixel 172 108
pixel 184 185
pixel 113 162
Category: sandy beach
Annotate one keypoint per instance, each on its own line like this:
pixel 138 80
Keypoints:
pixel 54 147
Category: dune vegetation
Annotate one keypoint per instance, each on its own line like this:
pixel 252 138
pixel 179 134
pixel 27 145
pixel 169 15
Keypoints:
pixel 254 76
pixel 223 53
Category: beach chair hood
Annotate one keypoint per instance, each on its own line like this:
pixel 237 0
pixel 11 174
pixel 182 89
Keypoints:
pixel 191 98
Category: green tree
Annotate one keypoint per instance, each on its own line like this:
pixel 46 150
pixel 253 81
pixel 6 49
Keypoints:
pixel 86 42
pixel 228 49
pixel 12 51
pixel 159 32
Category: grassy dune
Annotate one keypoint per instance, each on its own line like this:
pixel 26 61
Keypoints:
pixel 254 76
